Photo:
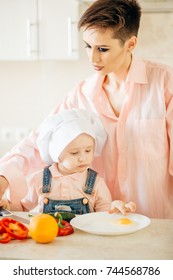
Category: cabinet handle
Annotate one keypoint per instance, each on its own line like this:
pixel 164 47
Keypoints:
pixel 69 34
pixel 29 25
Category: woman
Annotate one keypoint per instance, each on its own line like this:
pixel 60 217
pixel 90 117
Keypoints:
pixel 134 100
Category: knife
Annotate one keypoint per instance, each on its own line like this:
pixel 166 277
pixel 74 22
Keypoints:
pixel 7 213
pixel 20 219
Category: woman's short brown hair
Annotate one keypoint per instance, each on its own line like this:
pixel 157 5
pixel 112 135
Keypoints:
pixel 122 16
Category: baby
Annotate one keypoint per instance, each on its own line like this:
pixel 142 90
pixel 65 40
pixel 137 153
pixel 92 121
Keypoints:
pixel 67 143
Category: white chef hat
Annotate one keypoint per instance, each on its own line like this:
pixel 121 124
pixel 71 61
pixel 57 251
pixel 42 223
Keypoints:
pixel 58 130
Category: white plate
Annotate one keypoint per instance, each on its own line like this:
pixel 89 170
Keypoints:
pixel 103 223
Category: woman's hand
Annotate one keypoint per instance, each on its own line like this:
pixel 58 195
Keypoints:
pixel 123 207
pixel 5 204
pixel 3 185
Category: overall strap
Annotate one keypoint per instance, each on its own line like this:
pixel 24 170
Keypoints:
pixel 47 176
pixel 90 181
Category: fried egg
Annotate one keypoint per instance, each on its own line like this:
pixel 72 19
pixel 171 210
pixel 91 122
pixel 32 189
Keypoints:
pixel 124 221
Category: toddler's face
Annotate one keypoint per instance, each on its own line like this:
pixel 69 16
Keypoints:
pixel 78 155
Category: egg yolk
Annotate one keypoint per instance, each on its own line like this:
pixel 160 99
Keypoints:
pixel 124 221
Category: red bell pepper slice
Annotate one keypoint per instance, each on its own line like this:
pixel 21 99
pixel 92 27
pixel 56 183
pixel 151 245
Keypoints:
pixel 5 237
pixel 2 230
pixel 64 228
pixel 14 228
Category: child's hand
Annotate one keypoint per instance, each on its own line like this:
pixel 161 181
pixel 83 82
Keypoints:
pixel 123 207
pixel 5 204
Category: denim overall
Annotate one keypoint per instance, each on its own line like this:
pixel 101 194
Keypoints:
pixel 77 206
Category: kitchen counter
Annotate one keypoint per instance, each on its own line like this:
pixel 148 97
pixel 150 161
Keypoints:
pixel 154 242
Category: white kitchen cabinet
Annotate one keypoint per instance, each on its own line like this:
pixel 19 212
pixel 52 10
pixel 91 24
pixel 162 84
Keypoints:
pixel 38 30
pixel 58 34
pixel 18 29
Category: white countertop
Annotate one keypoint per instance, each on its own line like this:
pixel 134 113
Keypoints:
pixel 154 242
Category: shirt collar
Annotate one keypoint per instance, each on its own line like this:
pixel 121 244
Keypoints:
pixel 137 72
pixel 75 176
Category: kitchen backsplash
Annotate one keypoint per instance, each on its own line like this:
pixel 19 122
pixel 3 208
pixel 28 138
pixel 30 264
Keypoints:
pixel 155 37
pixel 30 90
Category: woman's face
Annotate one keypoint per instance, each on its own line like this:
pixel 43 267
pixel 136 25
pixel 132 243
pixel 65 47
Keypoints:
pixel 107 55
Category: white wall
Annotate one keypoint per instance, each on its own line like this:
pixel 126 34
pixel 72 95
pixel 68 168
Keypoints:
pixel 30 90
